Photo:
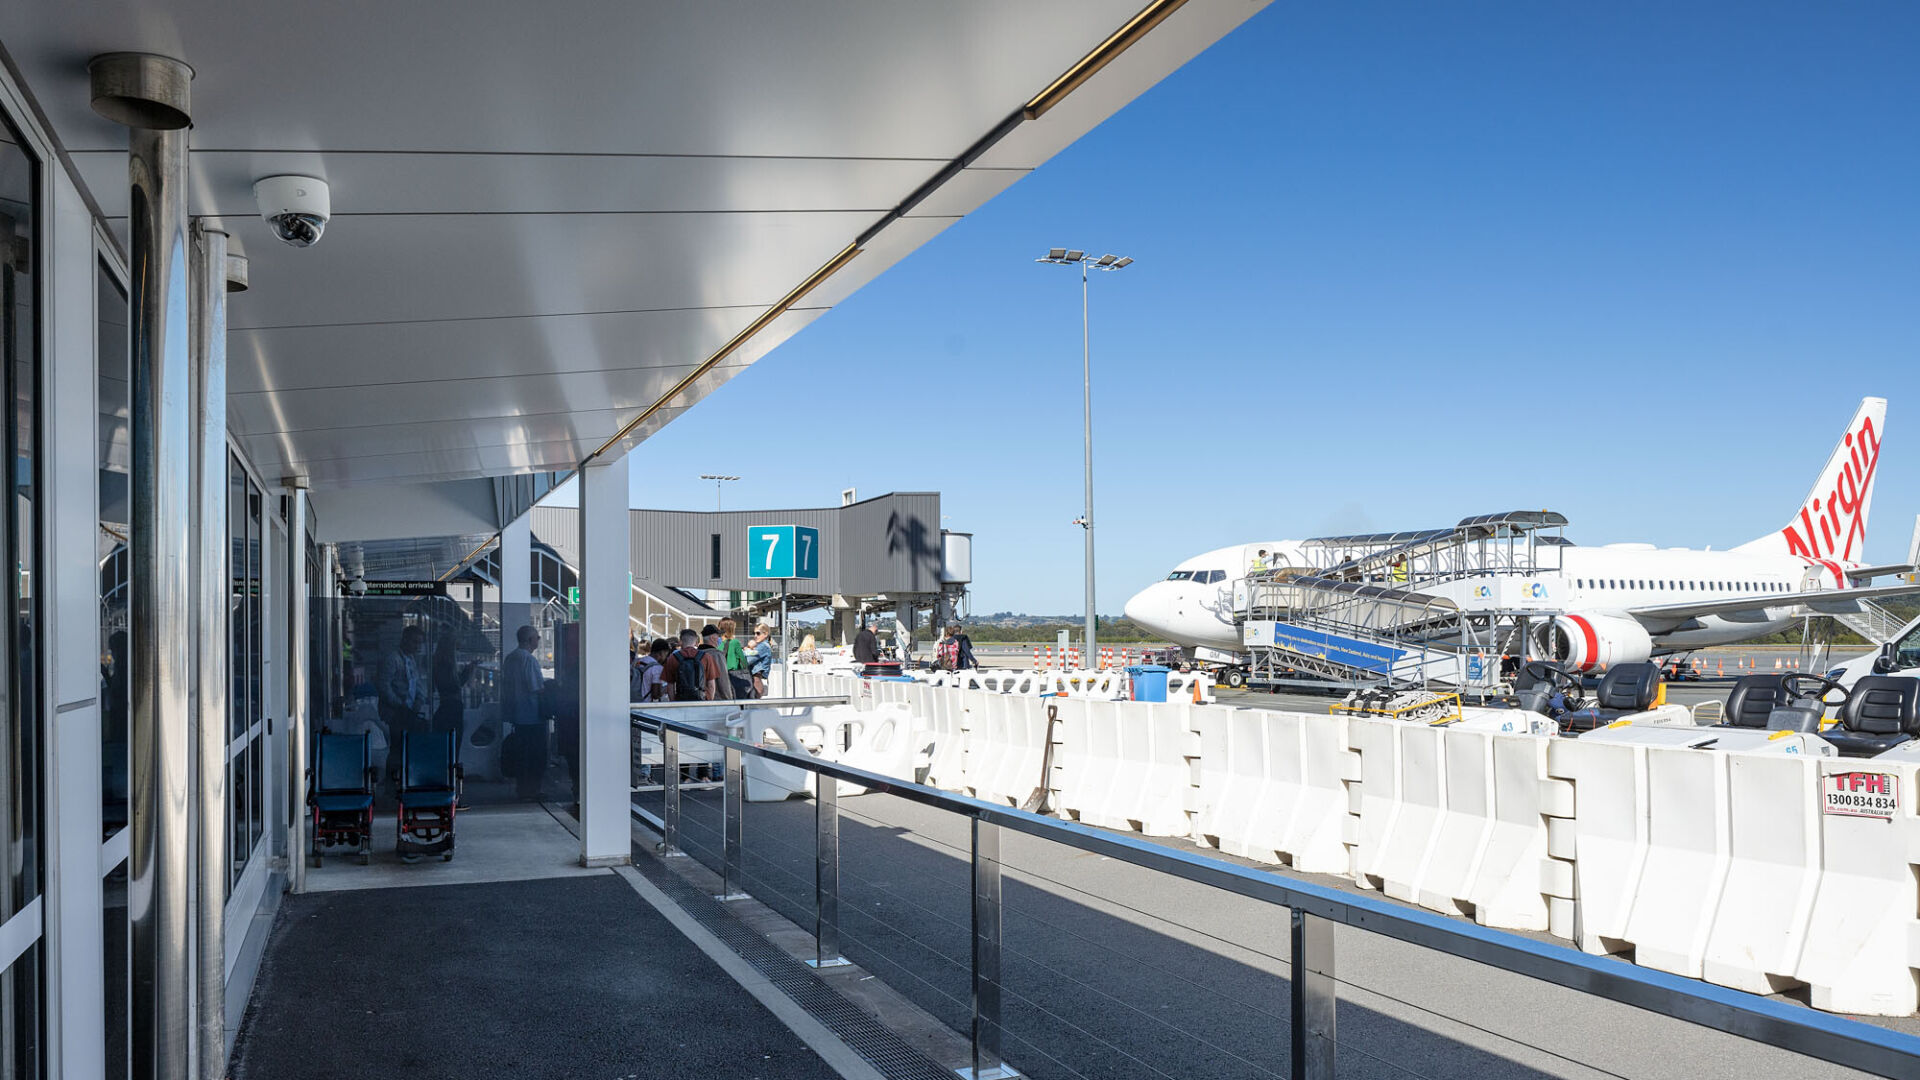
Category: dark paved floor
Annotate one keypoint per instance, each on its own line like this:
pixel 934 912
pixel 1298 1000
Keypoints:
pixel 564 977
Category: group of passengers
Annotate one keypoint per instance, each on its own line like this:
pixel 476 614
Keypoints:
pixel 711 665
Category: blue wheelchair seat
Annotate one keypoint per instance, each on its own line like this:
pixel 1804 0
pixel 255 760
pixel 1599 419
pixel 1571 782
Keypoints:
pixel 428 795
pixel 339 804
pixel 342 795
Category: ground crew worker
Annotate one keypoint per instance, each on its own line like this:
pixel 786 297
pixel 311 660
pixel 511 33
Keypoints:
pixel 1259 563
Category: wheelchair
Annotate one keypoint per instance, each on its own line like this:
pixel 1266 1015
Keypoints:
pixel 428 796
pixel 340 791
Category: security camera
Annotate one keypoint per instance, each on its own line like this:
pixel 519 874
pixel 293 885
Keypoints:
pixel 296 207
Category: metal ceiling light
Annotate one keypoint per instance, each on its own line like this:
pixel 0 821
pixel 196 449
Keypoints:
pixel 1102 55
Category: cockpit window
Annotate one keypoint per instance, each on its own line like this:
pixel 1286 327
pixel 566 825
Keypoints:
pixel 1180 575
pixel 1216 575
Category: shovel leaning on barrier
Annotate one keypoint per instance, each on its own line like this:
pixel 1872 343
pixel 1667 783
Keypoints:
pixel 1037 802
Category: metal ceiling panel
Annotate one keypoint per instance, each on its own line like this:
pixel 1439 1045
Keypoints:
pixel 412 268
pixel 375 354
pixel 397 183
pixel 548 215
pixel 828 78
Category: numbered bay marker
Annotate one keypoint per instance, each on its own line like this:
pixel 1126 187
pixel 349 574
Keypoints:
pixel 783 551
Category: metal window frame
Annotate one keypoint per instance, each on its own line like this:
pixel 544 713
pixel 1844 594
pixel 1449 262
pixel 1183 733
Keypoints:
pixel 1834 1039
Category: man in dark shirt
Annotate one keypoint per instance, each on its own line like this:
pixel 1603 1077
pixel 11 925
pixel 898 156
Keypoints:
pixel 866 644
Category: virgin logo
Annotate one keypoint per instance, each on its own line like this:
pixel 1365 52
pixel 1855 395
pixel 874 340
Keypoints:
pixel 1829 529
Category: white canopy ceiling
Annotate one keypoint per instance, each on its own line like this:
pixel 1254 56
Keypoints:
pixel 548 215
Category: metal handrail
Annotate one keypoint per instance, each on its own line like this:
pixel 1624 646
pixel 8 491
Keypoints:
pixel 1834 1039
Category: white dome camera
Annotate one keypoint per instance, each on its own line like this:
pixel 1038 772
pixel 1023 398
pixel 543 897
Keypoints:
pixel 296 207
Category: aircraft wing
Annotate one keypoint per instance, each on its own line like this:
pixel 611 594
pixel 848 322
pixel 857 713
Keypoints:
pixel 1820 601
pixel 1868 573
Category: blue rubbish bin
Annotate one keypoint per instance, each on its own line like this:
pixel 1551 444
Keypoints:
pixel 1149 682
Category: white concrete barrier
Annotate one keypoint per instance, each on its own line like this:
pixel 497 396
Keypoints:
pixel 1124 764
pixel 1006 746
pixel 1773 873
pixel 1271 786
pixel 944 739
pixel 1862 951
pixel 1181 686
pixel 1450 818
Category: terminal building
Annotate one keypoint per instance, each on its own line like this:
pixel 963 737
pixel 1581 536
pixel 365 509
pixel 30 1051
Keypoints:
pixel 493 250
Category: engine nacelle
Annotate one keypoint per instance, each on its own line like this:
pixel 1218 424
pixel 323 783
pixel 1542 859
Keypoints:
pixel 1589 641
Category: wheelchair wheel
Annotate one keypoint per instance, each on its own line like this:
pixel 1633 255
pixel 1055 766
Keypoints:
pixel 448 857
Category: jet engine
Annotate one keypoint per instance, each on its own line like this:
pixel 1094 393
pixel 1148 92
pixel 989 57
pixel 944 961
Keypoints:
pixel 1589 641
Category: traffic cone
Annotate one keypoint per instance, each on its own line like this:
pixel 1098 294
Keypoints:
pixel 1777 665
pixel 1723 666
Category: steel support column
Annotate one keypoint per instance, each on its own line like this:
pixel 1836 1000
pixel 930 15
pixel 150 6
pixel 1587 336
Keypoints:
pixel 149 93
pixel 210 637
pixel 670 793
pixel 1313 998
pixel 733 808
pixel 987 1064
pixel 826 874
pixel 605 719
pixel 298 736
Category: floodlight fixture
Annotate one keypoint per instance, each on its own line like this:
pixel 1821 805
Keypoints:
pixel 1056 253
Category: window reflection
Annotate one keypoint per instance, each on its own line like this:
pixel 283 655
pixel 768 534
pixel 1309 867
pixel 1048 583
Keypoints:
pixel 111 545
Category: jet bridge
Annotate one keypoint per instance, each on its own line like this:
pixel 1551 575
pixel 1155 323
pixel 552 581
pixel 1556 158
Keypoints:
pixel 1435 607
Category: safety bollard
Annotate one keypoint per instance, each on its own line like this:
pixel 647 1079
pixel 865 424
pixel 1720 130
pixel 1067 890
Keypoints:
pixel 987 1064
pixel 670 806
pixel 1314 1000
pixel 826 874
pixel 733 799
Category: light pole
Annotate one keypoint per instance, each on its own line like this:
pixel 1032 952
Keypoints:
pixel 1107 263
pixel 717 481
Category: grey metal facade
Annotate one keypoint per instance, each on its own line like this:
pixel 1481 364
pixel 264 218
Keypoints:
pixel 889 544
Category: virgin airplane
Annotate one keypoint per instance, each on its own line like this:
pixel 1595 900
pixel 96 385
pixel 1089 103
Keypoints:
pixel 1615 603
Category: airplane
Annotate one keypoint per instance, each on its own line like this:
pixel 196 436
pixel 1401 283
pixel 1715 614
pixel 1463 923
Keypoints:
pixel 1612 604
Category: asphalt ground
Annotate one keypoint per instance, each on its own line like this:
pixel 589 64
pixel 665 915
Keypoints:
pixel 1115 971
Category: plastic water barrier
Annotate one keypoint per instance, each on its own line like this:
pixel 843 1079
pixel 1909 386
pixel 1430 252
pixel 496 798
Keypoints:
pixel 1452 819
pixel 1758 871
pixel 1271 786
pixel 1006 746
pixel 1126 764
pixel 1755 867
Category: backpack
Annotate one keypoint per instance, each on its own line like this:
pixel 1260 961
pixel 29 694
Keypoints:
pixel 686 677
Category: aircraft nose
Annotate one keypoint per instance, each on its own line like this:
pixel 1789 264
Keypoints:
pixel 1144 607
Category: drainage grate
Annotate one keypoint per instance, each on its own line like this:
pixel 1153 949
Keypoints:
pixel 862 1033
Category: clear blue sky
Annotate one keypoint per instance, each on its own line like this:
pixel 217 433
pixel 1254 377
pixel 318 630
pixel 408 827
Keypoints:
pixel 1398 263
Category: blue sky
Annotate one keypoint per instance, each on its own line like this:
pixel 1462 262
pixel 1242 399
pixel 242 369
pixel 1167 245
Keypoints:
pixel 1398 263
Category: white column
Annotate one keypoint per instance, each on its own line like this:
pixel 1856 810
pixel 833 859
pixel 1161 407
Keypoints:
pixel 605 826
pixel 297 726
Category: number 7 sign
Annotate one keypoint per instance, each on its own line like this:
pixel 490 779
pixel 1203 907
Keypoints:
pixel 783 551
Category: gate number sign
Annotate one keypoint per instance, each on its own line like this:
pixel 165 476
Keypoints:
pixel 1861 794
pixel 783 551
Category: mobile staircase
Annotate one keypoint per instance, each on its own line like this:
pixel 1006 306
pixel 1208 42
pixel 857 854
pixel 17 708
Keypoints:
pixel 1431 609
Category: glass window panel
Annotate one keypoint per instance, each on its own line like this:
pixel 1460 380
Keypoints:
pixel 118 960
pixel 110 544
pixel 20 722
pixel 256 654
pixel 20 1019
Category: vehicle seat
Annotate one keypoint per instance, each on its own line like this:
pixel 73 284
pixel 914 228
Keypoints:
pixel 1532 692
pixel 1882 712
pixel 1624 690
pixel 1753 699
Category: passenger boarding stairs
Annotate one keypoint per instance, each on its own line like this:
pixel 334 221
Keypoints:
pixel 1379 612
pixel 1870 621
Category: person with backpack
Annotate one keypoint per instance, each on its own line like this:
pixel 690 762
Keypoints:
pixel 649 673
pixel 680 676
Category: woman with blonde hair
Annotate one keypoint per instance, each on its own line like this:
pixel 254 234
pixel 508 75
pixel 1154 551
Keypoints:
pixel 808 653
pixel 762 663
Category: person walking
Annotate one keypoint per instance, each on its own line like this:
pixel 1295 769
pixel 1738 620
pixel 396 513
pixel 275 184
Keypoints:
pixel 962 649
pixel 734 653
pixel 946 653
pixel 761 666
pixel 402 696
pixel 681 672
pixel 715 683
pixel 524 753
pixel 648 670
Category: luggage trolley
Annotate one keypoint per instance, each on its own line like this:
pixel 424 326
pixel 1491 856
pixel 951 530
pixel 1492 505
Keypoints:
pixel 428 795
pixel 340 791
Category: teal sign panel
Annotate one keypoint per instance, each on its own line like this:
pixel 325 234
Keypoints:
pixel 783 551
